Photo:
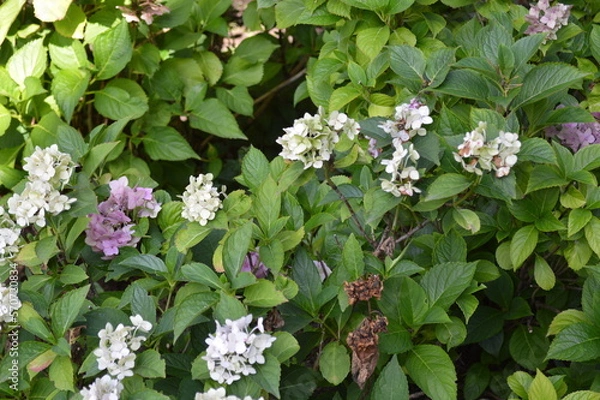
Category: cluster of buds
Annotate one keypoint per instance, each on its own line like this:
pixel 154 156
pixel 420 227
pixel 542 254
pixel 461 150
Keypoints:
pixel 545 19
pixel 478 155
pixel 312 138
pixel 113 226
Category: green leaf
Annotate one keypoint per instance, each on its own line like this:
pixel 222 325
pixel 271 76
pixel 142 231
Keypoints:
pixel 72 274
pixel 61 373
pixel 29 60
pixel 537 150
pixel 190 311
pixel 334 363
pixel 352 258
pixel 546 79
pixel 73 24
pixel 213 117
pixel 241 72
pixel 566 318
pixel 68 86
pixel 112 51
pixel 412 303
pixel 432 370
pixel 578 218
pixel 467 219
pixel 594 41
pixel 370 41
pixel 190 235
pixel 149 364
pixel 267 206
pixel 341 96
pixel 147 263
pixel 450 247
pixel 582 394
pixel 522 245
pixel 50 12
pixel 587 158
pixel 237 99
pixel 545 176
pixel 591 234
pixel 121 99
pixel 263 294
pixel 541 388
pixel 444 283
pixel 374 5
pixel 64 311
pixel 465 83
pixel 409 65
pixel 211 66
pixel 9 10
pixel 201 273
pixel 268 375
pixel 528 346
pixel 255 168
pixel 451 333
pixel 284 347
pixel 569 114
pixel 438 66
pixel 447 186
pixel 33 323
pixel 391 383
pixel 579 342
pixel 235 248
pixel 543 274
pixel 165 143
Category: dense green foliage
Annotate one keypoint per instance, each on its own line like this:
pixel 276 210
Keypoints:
pixel 481 285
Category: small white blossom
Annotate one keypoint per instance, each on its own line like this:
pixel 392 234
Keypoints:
pixel 409 121
pixel 115 352
pixel 38 197
pixel 49 165
pixel 9 302
pixel 402 174
pixel 477 155
pixel 9 237
pixel 105 388
pixel 312 138
pixel 201 199
pixel 219 394
pixel 233 349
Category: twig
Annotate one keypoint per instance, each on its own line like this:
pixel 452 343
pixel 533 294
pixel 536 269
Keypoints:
pixel 371 240
pixel 411 232
pixel 416 395
pixel 283 84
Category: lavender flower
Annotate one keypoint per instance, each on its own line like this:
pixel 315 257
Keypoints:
pixel 545 19
pixel 254 265
pixel 114 227
pixel 577 135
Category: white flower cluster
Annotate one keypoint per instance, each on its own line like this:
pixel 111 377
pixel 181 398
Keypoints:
pixel 219 394
pixel 545 19
pixel 233 349
pixel 312 138
pixel 105 388
pixel 499 154
pixel 49 170
pixel 8 303
pixel 403 175
pixel 201 199
pixel 9 237
pixel 116 351
pixel 409 120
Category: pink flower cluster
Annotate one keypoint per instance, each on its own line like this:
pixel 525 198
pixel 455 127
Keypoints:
pixel 545 19
pixel 113 226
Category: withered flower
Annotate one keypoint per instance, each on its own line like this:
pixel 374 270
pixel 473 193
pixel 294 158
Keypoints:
pixel 364 344
pixel 364 289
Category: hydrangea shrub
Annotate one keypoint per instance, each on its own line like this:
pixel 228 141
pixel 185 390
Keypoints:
pixel 424 224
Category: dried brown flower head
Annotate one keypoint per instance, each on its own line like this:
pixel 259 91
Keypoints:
pixel 364 289
pixel 364 344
